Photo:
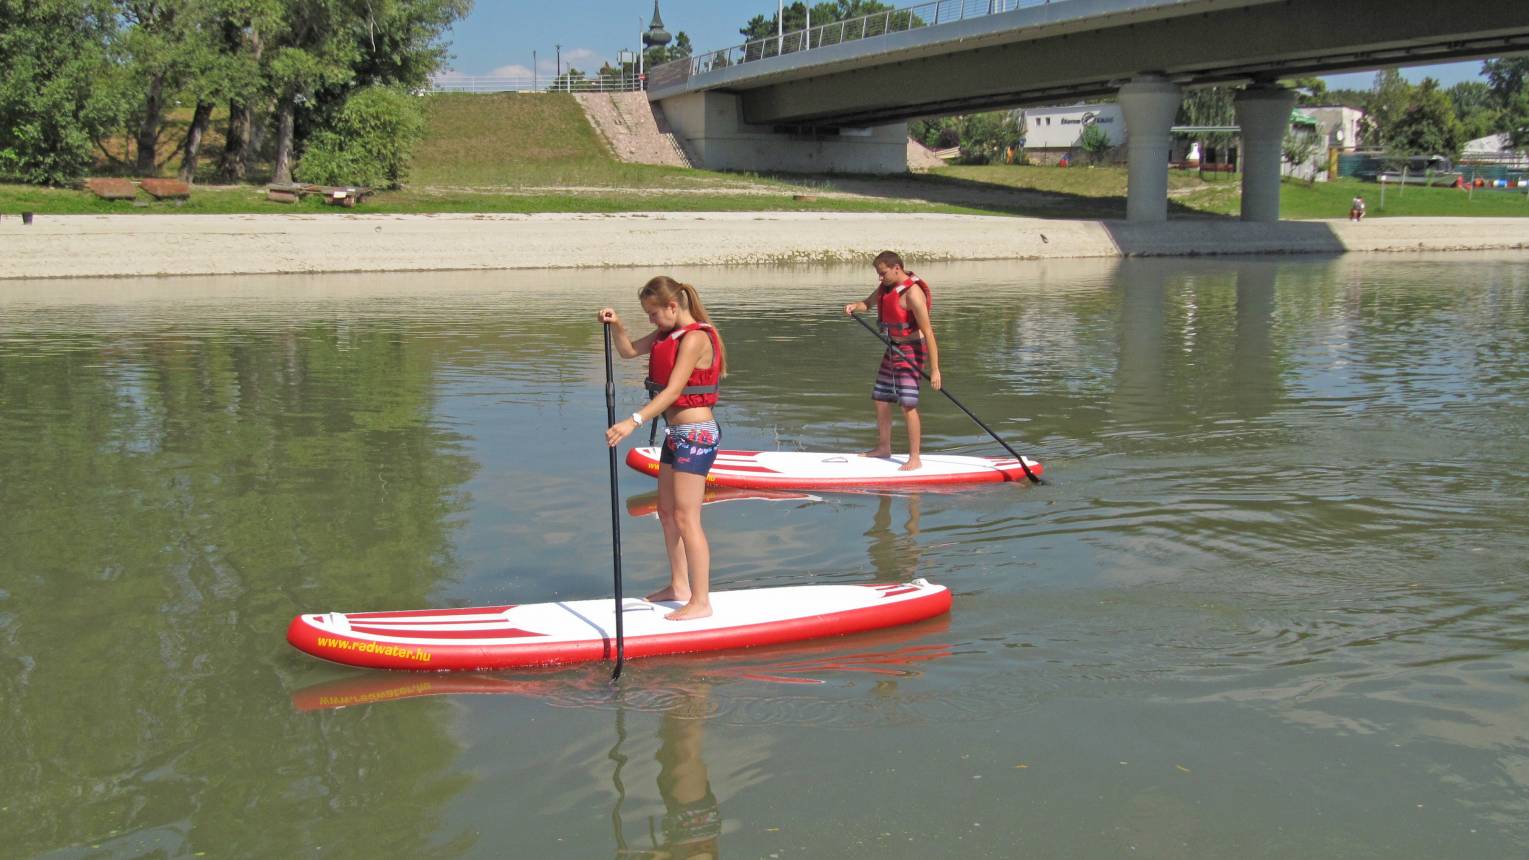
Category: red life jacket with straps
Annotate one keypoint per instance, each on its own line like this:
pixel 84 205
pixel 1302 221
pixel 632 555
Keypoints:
pixel 897 321
pixel 701 388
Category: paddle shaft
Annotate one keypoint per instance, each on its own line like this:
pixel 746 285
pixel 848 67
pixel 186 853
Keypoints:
pixel 1034 478
pixel 610 421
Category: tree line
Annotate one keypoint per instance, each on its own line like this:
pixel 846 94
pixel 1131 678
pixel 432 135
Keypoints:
pixel 328 79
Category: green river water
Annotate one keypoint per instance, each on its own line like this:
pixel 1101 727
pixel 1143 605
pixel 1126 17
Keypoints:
pixel 1272 604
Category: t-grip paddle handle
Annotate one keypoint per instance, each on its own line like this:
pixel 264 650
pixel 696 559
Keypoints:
pixel 1034 478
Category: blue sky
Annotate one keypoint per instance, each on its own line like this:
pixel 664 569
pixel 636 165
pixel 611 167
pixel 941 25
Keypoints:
pixel 498 36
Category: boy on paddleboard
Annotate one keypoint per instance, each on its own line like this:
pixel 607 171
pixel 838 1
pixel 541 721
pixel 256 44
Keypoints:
pixel 902 309
pixel 685 364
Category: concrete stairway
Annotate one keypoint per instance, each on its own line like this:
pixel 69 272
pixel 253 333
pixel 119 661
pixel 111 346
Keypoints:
pixel 636 130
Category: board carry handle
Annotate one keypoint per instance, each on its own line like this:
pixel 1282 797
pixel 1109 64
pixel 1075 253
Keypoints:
pixel 1034 478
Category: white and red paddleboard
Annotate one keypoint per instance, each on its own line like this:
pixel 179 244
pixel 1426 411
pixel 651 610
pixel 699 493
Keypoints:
pixel 539 634
pixel 801 470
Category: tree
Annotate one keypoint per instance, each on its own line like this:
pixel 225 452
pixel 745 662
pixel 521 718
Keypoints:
pixel 1388 100
pixel 1508 81
pixel 1427 126
pixel 1474 107
pixel 1298 147
pixel 1094 142
pixel 985 136
pixel 936 132
pixel 1209 106
pixel 370 143
pixel 59 91
pixel 1309 90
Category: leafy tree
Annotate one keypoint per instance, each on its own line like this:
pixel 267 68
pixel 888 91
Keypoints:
pixel 1427 126
pixel 58 90
pixel 1309 90
pixel 370 143
pixel 1209 106
pixel 571 80
pixel 1298 147
pixel 1474 107
pixel 936 132
pixel 1094 142
pixel 1508 81
pixel 985 136
pixel 1388 100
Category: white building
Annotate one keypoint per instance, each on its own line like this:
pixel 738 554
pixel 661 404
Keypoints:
pixel 1054 132
pixel 1337 126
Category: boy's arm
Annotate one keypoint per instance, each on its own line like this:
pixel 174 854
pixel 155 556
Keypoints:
pixel 914 300
pixel 862 305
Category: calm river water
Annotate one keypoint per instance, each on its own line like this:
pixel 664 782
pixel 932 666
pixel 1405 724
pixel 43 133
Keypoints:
pixel 1274 603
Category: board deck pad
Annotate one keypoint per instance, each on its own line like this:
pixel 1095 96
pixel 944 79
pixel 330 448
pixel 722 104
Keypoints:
pixel 805 470
pixel 540 634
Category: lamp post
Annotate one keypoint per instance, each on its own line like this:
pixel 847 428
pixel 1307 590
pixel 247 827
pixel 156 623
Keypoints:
pixel 535 84
pixel 559 65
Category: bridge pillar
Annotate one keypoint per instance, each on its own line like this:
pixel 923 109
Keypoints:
pixel 1263 112
pixel 1149 103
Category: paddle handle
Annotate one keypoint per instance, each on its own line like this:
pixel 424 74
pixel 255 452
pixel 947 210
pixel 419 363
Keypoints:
pixel 1034 478
pixel 610 421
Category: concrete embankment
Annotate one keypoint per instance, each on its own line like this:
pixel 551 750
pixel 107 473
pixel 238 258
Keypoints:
pixel 136 245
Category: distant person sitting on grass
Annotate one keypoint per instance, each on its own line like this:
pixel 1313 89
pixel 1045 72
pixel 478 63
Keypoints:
pixel 1356 209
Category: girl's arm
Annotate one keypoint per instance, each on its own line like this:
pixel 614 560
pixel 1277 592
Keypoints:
pixel 914 299
pixel 685 362
pixel 625 346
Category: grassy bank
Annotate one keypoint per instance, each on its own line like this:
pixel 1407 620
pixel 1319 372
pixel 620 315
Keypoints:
pixel 536 152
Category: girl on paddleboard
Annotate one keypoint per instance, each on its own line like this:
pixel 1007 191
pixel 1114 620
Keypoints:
pixel 902 308
pixel 685 363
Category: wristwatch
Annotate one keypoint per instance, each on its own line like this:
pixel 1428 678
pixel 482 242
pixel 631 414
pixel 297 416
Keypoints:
pixel 637 418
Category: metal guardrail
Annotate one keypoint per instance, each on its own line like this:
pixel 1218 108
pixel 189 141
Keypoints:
pixel 492 84
pixel 929 14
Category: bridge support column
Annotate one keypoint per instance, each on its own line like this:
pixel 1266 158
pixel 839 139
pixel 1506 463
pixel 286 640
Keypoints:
pixel 1149 103
pixel 1263 112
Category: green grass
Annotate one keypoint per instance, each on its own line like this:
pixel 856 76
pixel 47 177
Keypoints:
pixel 536 152
pixel 249 200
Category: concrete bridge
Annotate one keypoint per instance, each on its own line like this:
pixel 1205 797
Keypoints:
pixel 836 97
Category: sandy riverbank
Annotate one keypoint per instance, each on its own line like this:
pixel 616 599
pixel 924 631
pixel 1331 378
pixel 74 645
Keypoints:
pixel 70 246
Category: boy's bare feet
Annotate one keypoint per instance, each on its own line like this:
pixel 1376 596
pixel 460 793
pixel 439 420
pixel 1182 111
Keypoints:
pixel 877 452
pixel 912 464
pixel 690 611
pixel 666 594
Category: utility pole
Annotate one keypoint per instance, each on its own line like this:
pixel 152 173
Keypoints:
pixel 559 65
pixel 535 85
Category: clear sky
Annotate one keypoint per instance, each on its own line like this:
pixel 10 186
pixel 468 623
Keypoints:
pixel 499 36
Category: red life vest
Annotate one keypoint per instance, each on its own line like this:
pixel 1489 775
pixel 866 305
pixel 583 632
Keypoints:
pixel 897 321
pixel 701 388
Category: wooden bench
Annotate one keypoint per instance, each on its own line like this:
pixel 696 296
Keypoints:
pixel 112 189
pixel 166 189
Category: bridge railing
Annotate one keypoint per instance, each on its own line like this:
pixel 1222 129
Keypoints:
pixel 929 14
pixel 528 84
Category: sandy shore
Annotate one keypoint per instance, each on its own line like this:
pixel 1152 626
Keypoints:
pixel 76 246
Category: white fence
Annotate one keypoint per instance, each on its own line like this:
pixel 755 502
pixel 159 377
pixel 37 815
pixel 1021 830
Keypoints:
pixel 492 84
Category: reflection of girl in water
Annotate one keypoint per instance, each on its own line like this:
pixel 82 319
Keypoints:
pixel 692 821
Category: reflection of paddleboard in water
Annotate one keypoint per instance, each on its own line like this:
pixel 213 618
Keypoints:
pixel 807 470
pixel 890 652
pixel 537 634
pixel 647 503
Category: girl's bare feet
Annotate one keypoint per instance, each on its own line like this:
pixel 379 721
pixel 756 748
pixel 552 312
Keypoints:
pixel 912 464
pixel 666 594
pixel 877 452
pixel 690 611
